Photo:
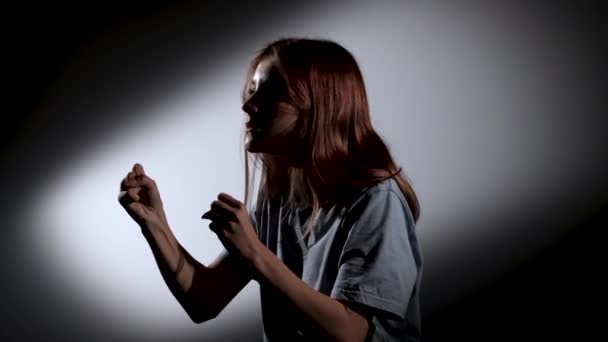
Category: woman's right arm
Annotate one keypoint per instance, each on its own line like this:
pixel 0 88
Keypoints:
pixel 203 291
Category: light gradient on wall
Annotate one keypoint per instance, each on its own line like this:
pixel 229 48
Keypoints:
pixel 477 104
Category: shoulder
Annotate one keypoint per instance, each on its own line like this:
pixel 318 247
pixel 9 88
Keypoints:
pixel 385 193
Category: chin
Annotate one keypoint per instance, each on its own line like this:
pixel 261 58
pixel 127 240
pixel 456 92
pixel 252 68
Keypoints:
pixel 264 145
pixel 257 145
pixel 253 148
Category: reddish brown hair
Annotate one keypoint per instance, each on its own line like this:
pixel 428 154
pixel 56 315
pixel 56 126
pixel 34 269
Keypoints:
pixel 342 153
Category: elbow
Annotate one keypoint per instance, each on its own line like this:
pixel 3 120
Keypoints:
pixel 202 316
pixel 200 312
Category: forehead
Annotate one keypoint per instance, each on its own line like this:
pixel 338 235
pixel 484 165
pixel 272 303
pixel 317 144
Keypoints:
pixel 264 70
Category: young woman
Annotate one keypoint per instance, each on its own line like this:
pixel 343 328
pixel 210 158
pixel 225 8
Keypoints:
pixel 331 237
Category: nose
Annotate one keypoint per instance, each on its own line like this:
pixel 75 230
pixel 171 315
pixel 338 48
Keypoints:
pixel 250 108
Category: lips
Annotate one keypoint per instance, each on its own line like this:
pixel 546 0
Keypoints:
pixel 251 126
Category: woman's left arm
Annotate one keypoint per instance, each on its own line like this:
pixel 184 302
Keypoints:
pixel 324 315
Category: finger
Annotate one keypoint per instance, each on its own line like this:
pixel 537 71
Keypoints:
pixel 142 181
pixel 125 198
pixel 133 193
pixel 215 227
pixel 223 209
pixel 125 184
pixel 233 202
pixel 222 229
pixel 138 169
pixel 230 227
pixel 214 216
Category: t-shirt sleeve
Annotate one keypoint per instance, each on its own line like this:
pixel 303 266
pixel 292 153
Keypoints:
pixel 377 267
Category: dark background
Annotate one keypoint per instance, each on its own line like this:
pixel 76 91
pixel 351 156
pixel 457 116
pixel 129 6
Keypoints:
pixel 555 294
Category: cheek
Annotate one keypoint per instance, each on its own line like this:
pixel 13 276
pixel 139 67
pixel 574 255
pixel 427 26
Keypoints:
pixel 282 126
pixel 284 122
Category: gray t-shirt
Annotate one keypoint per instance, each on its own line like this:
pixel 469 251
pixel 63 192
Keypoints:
pixel 367 254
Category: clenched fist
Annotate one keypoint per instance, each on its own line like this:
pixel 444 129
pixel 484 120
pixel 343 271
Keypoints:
pixel 140 197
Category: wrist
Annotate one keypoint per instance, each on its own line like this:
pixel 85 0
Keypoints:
pixel 258 261
pixel 155 227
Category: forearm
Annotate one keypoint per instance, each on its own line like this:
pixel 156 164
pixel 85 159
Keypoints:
pixel 323 315
pixel 166 250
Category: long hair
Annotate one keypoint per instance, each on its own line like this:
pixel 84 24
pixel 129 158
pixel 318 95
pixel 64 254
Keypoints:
pixel 341 154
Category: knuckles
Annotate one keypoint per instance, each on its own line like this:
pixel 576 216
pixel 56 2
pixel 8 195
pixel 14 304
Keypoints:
pixel 137 181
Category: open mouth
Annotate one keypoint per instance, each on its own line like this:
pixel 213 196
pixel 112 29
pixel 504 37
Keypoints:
pixel 253 129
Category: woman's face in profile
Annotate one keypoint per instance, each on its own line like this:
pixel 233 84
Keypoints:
pixel 269 116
